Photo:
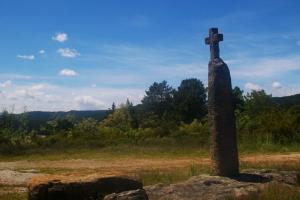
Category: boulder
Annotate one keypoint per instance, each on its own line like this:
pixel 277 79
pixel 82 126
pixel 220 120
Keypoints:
pixel 206 187
pixel 81 190
pixel 139 194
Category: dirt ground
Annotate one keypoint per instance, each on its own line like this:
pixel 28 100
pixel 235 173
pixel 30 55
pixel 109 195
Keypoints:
pixel 17 174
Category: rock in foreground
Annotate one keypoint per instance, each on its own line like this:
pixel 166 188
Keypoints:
pixel 139 194
pixel 202 187
pixel 217 188
pixel 81 190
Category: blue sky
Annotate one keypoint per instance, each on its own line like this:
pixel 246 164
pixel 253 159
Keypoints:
pixel 68 54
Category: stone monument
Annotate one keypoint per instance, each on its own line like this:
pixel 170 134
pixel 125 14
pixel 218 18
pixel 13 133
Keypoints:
pixel 224 154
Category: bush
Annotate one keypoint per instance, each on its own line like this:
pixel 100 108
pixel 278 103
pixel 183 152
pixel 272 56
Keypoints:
pixel 197 129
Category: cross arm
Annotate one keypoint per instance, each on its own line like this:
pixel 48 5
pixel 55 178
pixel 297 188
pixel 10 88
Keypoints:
pixel 207 40
pixel 218 37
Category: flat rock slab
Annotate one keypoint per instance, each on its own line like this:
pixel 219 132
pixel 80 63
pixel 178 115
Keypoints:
pixel 10 177
pixel 82 189
pixel 139 194
pixel 216 188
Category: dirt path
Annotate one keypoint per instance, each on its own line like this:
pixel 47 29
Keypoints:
pixel 272 158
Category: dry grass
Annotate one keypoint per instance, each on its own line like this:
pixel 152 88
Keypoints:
pixel 151 165
pixel 13 196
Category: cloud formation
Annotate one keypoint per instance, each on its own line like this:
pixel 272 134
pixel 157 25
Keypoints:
pixel 6 84
pixel 252 86
pixel 89 103
pixel 60 37
pixel 42 51
pixel 265 67
pixel 26 57
pixel 276 85
pixel 67 72
pixel 68 53
pixel 48 97
pixel 30 92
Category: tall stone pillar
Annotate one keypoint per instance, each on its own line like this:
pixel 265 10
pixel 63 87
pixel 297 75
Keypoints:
pixel 224 153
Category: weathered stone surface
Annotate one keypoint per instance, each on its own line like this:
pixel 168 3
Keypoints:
pixel 221 117
pixel 139 194
pixel 216 188
pixel 10 177
pixel 81 190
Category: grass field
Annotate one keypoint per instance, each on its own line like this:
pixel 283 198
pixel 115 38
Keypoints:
pixel 150 164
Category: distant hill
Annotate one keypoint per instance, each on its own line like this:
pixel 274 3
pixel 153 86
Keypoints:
pixel 287 101
pixel 37 118
pixel 78 115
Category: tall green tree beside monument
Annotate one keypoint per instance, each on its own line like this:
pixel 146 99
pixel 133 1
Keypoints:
pixel 190 100
pixel 158 98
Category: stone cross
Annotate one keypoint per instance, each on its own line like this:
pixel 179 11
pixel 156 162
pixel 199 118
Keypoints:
pixel 213 40
pixel 221 119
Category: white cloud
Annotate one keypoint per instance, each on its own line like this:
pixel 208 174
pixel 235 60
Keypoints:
pixel 252 86
pixel 39 87
pixel 89 103
pixel 42 51
pixel 46 97
pixel 26 57
pixel 60 37
pixel 69 53
pixel 6 84
pixel 276 85
pixel 265 67
pixel 67 72
pixel 29 92
pixel 21 94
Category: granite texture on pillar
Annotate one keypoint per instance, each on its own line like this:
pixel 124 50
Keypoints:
pixel 224 153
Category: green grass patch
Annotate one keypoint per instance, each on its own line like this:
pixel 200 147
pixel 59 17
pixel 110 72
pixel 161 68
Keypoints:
pixel 112 152
pixel 165 148
pixel 151 177
pixel 13 196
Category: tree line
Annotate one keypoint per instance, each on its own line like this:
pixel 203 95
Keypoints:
pixel 178 114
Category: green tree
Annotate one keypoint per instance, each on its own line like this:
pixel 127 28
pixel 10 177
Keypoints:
pixel 257 102
pixel 113 107
pixel 87 127
pixel 279 126
pixel 123 118
pixel 190 100
pixel 57 125
pixel 158 99
pixel 238 98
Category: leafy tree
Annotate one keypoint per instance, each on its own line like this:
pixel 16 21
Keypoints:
pixel 190 100
pixel 279 126
pixel 257 102
pixel 57 125
pixel 123 118
pixel 133 121
pixel 87 127
pixel 113 107
pixel 238 98
pixel 158 99
pixel 13 123
pixel 196 128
